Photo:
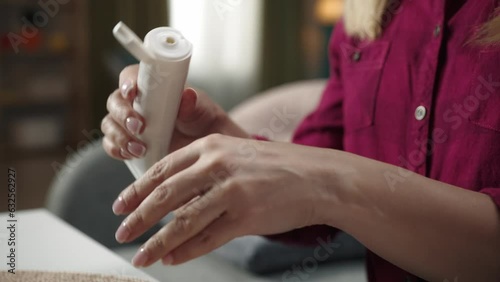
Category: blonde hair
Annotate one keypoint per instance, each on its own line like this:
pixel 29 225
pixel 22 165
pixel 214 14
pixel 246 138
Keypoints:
pixel 489 33
pixel 365 19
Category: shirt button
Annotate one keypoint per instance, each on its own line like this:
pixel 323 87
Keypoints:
pixel 420 112
pixel 356 56
pixel 437 30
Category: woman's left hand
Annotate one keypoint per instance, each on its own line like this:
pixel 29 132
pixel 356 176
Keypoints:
pixel 222 187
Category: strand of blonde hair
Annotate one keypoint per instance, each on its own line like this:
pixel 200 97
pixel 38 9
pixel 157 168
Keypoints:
pixel 364 19
pixel 489 33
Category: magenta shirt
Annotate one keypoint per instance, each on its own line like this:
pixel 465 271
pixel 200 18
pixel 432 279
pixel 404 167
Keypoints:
pixel 420 97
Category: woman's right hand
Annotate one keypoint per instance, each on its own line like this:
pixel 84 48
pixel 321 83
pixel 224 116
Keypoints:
pixel 198 117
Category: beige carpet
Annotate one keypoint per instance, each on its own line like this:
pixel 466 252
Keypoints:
pixel 41 276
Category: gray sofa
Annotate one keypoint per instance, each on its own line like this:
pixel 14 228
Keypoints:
pixel 82 194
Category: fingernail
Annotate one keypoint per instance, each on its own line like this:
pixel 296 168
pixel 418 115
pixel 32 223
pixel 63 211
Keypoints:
pixel 167 260
pixel 122 233
pixel 118 206
pixel 125 154
pixel 192 90
pixel 126 87
pixel 140 258
pixel 133 125
pixel 136 149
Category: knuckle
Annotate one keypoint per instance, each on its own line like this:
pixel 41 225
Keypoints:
pixel 122 139
pixel 111 149
pixel 126 111
pixel 157 172
pixel 115 134
pixel 218 163
pixel 232 185
pixel 223 159
pixel 110 101
pixel 116 142
pixel 161 195
pixel 218 171
pixel 182 223
pixel 207 240
pixel 104 124
pixel 232 188
pixel 119 111
pixel 115 152
pixel 211 141
pixel 137 220
pixel 118 136
pixel 157 243
pixel 131 195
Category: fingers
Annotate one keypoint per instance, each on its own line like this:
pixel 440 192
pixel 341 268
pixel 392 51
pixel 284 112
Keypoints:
pixel 187 223
pixel 168 196
pixel 128 82
pixel 112 149
pixel 134 194
pixel 188 104
pixel 123 114
pixel 120 144
pixel 197 114
pixel 123 124
pixel 221 231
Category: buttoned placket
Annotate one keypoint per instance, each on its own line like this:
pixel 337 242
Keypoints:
pixel 420 119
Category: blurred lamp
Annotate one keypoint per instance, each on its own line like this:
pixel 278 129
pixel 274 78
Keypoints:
pixel 328 12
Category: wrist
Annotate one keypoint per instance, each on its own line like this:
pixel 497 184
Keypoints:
pixel 342 190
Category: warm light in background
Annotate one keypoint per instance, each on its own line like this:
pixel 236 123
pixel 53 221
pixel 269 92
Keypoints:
pixel 328 12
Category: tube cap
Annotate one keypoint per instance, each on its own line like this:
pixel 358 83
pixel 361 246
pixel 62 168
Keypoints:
pixel 130 41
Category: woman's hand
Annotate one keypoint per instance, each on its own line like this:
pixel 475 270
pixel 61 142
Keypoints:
pixel 222 187
pixel 198 117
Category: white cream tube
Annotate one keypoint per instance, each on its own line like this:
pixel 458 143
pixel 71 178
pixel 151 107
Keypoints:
pixel 165 57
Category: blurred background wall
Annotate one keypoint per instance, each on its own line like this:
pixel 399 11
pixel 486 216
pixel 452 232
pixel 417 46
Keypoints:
pixel 59 62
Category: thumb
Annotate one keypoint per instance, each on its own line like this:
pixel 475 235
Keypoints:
pixel 197 113
pixel 187 108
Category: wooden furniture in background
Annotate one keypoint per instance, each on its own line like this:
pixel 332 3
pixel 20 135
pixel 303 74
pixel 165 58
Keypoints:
pixel 43 90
